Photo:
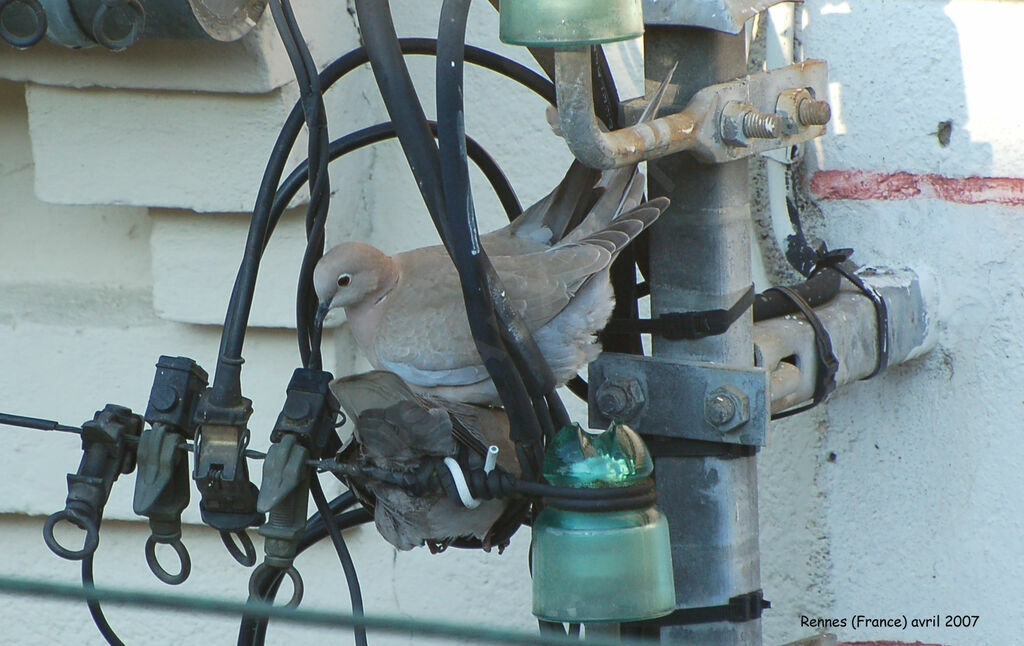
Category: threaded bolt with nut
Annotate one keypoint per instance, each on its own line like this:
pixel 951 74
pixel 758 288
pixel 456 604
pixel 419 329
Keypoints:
pixel 761 125
pixel 812 112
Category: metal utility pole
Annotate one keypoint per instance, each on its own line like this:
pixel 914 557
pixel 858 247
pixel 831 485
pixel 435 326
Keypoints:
pixel 700 260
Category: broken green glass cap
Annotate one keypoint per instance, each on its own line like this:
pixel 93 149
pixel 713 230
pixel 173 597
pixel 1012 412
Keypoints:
pixel 600 566
pixel 570 23
pixel 614 458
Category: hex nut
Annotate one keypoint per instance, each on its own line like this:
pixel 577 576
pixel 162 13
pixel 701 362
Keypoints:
pixel 620 398
pixel 726 408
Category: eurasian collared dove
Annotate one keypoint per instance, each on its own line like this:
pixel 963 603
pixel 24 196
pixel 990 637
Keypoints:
pixel 407 313
pixel 397 431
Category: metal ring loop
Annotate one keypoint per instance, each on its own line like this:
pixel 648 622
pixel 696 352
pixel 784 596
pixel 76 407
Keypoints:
pixel 293 574
pixel 138 22
pixel 246 554
pixel 92 536
pixel 158 570
pixel 33 37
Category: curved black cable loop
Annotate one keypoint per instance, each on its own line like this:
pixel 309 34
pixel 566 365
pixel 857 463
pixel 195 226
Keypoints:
pixel 344 556
pixel 382 132
pixel 95 610
pixel 227 384
pixel 252 631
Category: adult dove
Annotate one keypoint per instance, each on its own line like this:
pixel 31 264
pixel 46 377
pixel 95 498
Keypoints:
pixel 407 313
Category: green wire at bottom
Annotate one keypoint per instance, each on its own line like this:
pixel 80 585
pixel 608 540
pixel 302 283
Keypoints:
pixel 382 623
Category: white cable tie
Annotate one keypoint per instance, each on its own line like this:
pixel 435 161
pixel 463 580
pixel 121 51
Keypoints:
pixel 492 458
pixel 460 484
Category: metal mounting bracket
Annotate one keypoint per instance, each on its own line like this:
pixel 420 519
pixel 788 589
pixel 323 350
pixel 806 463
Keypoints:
pixel 681 399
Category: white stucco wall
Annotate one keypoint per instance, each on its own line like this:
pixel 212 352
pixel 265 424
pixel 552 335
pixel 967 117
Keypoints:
pixel 124 185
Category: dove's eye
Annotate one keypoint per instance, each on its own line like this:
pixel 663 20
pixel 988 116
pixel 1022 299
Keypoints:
pixel 344 280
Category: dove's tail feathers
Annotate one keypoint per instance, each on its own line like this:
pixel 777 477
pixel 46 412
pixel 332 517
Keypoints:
pixel 626 227
pixel 548 220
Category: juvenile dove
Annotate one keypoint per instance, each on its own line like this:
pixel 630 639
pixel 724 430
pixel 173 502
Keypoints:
pixel 397 431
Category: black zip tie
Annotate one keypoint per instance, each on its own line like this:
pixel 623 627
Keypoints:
pixel 676 326
pixel 834 260
pixel 741 608
pixel 828 364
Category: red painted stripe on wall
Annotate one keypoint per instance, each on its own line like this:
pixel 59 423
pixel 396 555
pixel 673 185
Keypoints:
pixel 865 185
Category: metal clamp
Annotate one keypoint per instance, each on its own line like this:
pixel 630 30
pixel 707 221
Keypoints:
pixel 162 484
pixel 221 472
pixel 301 433
pixel 106 454
pixel 709 401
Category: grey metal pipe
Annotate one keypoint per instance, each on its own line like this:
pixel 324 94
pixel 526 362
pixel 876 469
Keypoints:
pixel 700 260
pixel 590 142
pixel 786 345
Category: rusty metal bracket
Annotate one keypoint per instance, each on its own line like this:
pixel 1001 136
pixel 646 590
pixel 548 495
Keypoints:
pixel 682 399
pixel 721 123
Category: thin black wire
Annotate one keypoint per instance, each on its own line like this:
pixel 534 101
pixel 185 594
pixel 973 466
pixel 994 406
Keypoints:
pixel 252 631
pixel 382 132
pixel 343 555
pixel 95 610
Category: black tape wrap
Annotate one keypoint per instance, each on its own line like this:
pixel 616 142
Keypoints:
pixel 828 364
pixel 676 326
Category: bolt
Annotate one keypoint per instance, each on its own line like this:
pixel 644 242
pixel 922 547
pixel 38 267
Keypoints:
pixel 720 410
pixel 620 399
pixel 761 125
pixel 726 408
pixel 811 112
pixel 739 122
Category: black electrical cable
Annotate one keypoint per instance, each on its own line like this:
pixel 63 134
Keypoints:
pixel 311 98
pixel 95 610
pixel 421 152
pixel 344 556
pixel 382 132
pixel 252 632
pixel 227 385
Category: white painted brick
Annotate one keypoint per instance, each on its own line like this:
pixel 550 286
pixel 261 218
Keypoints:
pixel 457 586
pixel 256 63
pixel 44 243
pixel 204 152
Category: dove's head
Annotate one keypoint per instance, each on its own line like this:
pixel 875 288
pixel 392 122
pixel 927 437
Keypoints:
pixel 352 274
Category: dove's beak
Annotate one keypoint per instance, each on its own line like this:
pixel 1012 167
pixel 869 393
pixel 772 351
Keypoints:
pixel 321 314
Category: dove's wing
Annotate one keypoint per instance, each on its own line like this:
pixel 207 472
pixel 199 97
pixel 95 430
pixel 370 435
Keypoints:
pixel 424 336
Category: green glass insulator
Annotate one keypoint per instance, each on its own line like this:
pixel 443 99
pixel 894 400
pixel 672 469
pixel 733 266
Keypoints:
pixel 615 458
pixel 570 23
pixel 600 566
